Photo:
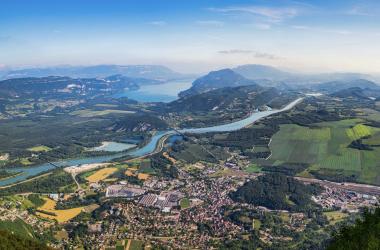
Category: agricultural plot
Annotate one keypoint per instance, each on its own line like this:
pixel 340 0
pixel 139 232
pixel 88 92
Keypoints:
pixel 253 168
pixel 48 211
pixel 326 146
pixel 130 244
pixel 101 174
pixel 358 131
pixel 87 113
pixel 335 216
pixel 41 148
pixel 296 144
pixel 142 176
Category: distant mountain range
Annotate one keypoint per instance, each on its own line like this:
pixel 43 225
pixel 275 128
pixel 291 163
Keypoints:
pixel 267 76
pixel 66 87
pixel 156 72
pixel 330 87
pixel 255 72
pixel 259 72
pixel 215 80
pixel 231 98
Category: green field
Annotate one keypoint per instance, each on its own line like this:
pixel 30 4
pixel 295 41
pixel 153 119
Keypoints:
pixel 184 203
pixel 130 244
pixel 325 146
pixel 18 227
pixel 335 216
pixel 358 131
pixel 253 168
pixel 41 148
pixel 136 245
pixel 93 113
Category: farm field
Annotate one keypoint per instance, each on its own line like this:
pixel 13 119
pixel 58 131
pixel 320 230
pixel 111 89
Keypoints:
pixel 142 176
pixel 358 131
pixel 325 147
pixel 87 113
pixel 41 148
pixel 59 215
pixel 133 244
pixel 335 216
pixel 253 168
pixel 101 174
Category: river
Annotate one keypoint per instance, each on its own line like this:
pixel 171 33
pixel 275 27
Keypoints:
pixel 146 149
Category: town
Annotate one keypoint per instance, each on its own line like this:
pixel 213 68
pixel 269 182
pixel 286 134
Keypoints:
pixel 183 212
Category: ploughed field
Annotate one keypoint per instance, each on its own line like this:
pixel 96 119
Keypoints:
pixel 326 149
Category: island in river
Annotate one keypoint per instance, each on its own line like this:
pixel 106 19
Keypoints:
pixel 146 149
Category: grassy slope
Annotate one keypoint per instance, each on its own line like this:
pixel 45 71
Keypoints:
pixel 18 227
pixel 326 146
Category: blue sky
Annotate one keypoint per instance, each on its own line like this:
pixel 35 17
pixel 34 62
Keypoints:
pixel 193 36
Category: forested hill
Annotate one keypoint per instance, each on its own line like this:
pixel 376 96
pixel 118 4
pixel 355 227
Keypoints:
pixel 217 79
pixel 357 93
pixel 256 71
pixel 158 72
pixel 365 234
pixel 277 191
pixel 334 86
pixel 9 240
pixel 244 98
pixel 56 86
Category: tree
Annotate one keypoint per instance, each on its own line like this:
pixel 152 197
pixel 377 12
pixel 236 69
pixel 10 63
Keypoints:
pixel 364 234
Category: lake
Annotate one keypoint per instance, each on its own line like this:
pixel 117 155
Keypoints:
pixel 165 92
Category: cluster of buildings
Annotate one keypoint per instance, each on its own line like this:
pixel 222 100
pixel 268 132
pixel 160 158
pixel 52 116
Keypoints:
pixel 125 191
pixel 165 201
pixel 345 200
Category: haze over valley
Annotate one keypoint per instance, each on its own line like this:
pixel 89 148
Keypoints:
pixel 192 125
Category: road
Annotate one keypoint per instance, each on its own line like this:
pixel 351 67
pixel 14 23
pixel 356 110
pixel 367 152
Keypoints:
pixel 356 187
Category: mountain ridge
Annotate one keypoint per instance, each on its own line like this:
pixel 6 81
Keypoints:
pixel 157 72
pixel 215 80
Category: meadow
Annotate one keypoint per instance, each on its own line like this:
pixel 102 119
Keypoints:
pixel 87 113
pixel 40 148
pixel 335 216
pixel 185 203
pixel 324 147
pixel 19 227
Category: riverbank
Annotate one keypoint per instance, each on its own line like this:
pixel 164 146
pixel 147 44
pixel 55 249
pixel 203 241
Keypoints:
pixel 27 180
pixel 153 146
pixel 11 175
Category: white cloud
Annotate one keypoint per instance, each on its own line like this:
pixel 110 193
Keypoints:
pixel 158 23
pixel 263 26
pixel 271 14
pixel 363 10
pixel 253 53
pixel 235 51
pixel 324 30
pixel 300 27
pixel 213 23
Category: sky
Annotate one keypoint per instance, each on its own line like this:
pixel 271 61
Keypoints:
pixel 193 36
